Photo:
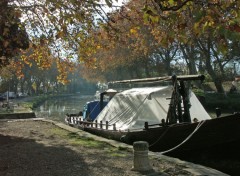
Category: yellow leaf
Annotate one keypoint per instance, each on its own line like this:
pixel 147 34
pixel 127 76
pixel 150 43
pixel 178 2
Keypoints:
pixel 171 2
pixel 133 31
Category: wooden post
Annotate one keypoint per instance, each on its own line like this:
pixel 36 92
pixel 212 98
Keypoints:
pixel 218 112
pixel 106 125
pixel 96 125
pixel 91 124
pixel 146 125
pixel 101 124
pixel 114 127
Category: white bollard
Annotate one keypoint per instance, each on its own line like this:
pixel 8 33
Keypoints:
pixel 141 161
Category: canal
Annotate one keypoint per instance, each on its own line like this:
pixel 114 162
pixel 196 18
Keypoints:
pixel 55 109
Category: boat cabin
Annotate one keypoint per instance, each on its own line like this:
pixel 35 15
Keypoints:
pixel 93 108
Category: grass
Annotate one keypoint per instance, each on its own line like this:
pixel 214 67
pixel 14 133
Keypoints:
pixel 75 139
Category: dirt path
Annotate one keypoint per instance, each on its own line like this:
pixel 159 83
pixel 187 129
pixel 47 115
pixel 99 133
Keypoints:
pixel 32 148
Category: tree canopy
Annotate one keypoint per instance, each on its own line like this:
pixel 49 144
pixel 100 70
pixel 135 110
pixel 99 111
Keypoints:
pixel 136 39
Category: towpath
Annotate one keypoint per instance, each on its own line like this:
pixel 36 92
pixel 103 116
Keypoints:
pixel 47 148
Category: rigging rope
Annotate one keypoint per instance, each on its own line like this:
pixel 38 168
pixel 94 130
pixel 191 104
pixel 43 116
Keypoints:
pixel 184 141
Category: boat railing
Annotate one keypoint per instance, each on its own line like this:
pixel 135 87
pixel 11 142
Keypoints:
pixel 95 124
pixel 92 124
pixel 146 125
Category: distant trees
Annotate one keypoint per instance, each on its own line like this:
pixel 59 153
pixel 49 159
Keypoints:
pixel 34 80
pixel 36 71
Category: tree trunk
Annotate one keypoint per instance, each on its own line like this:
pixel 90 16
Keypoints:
pixel 206 51
pixel 189 56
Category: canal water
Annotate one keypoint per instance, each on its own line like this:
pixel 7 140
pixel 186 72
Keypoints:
pixel 55 109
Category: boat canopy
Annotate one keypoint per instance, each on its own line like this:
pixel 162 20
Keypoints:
pixel 131 108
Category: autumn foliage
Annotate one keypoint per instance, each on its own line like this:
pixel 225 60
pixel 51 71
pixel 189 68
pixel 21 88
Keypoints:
pixel 138 39
pixel 13 35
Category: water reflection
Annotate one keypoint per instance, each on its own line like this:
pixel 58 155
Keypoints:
pixel 55 109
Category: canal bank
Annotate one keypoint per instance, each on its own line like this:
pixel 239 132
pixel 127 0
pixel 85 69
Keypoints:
pixel 44 147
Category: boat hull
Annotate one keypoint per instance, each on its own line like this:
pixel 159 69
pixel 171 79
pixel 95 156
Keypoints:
pixel 220 134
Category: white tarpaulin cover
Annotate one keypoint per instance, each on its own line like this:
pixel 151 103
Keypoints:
pixel 130 109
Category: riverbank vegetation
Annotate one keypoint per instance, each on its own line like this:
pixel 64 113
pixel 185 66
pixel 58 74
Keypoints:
pixel 228 104
pixel 228 101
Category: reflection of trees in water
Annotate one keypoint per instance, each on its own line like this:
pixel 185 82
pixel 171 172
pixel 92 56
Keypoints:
pixel 58 107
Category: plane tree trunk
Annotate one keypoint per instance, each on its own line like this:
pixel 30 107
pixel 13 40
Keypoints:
pixel 206 52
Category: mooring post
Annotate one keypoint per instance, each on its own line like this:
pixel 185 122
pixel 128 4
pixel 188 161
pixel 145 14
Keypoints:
pixel 146 125
pixel 106 125
pixel 96 125
pixel 101 124
pixel 114 127
pixel 141 161
pixel 218 112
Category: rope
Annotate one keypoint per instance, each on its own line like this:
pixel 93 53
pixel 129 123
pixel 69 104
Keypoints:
pixel 160 137
pixel 184 141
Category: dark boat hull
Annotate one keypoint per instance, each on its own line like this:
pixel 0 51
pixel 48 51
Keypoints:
pixel 220 134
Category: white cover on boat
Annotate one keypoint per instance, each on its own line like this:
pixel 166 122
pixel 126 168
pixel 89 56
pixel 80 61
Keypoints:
pixel 130 109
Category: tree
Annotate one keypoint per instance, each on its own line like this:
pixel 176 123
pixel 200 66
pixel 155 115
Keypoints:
pixel 140 34
pixel 208 26
pixel 13 35
pixel 58 25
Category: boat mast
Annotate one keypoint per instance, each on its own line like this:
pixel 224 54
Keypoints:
pixel 156 79
pixel 186 102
